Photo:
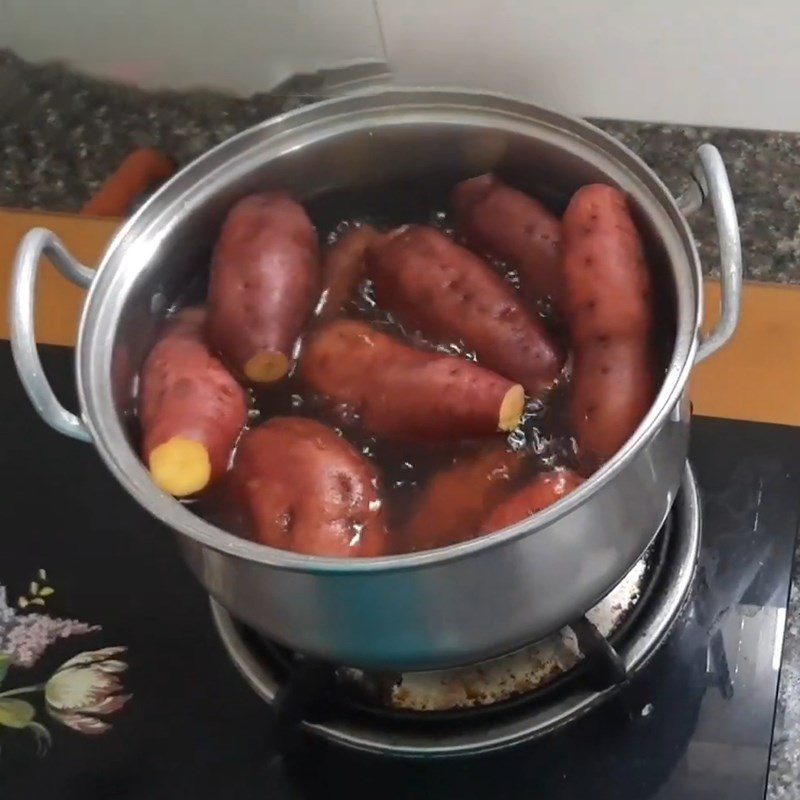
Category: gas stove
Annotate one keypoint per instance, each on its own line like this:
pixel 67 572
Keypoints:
pixel 666 692
pixel 480 708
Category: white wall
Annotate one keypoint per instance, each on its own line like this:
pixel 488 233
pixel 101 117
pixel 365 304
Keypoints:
pixel 696 61
pixel 242 46
pixel 722 62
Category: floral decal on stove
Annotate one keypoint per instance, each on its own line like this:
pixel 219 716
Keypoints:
pixel 80 694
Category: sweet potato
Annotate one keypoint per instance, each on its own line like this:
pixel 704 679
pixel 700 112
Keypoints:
pixel 613 387
pixel 504 223
pixel 609 287
pixel 400 392
pixel 265 281
pixel 544 490
pixel 456 500
pixel 191 409
pixel 308 490
pixel 611 318
pixel 451 294
pixel 343 267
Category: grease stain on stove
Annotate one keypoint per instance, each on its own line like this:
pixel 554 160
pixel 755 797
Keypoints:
pixel 521 672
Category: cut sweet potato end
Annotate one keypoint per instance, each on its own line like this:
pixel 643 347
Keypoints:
pixel 511 408
pixel 180 466
pixel 266 366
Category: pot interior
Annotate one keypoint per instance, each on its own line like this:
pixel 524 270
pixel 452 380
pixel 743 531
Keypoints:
pixel 391 158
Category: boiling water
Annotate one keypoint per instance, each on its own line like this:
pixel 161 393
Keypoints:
pixel 406 468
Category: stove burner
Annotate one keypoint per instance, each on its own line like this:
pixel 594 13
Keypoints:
pixel 340 705
pixel 579 651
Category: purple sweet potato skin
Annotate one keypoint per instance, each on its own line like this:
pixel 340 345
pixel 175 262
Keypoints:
pixel 309 490
pixel 265 278
pixel 343 268
pixel 187 392
pixel 614 384
pixel 500 221
pixel 544 490
pixel 450 294
pixel 611 320
pixel 457 499
pixel 397 391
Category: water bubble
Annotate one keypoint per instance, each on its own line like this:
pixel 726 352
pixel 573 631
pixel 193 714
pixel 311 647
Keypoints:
pixel 512 276
pixel 358 529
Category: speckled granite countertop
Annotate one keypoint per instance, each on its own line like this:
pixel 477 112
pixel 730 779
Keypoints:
pixel 62 134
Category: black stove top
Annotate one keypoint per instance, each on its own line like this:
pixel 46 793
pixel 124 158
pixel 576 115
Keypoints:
pixel 696 723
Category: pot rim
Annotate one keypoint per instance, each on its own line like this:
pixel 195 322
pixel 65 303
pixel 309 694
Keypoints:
pixel 93 373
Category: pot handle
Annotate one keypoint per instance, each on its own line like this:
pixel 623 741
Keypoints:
pixel 39 242
pixel 710 181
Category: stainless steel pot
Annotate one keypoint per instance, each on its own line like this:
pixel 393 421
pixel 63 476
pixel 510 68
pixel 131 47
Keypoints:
pixel 427 610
